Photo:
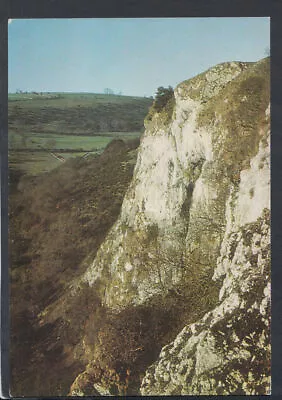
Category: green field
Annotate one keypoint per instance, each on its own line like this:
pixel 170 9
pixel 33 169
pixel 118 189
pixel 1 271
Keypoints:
pixel 57 142
pixel 74 113
pixel 47 129
pixel 37 152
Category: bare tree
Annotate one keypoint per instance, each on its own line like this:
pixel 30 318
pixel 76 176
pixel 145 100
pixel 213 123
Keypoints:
pixel 108 91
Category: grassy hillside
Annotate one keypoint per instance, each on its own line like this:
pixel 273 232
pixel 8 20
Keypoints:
pixel 74 113
pixel 47 129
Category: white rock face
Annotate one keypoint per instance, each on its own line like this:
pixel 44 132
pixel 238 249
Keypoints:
pixel 173 183
pixel 200 201
pixel 228 351
pixel 253 195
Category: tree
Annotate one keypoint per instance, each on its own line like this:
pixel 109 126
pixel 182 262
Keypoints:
pixel 162 97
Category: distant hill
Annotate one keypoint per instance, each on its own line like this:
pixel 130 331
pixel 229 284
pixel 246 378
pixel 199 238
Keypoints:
pixel 76 113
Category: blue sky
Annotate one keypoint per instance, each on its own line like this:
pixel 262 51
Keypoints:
pixel 132 56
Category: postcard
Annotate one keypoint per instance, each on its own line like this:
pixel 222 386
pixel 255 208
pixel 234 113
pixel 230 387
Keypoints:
pixel 139 206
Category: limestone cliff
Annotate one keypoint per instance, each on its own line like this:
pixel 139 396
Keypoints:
pixel 228 350
pixel 185 170
pixel 197 213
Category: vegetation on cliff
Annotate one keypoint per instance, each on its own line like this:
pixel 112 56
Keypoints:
pixel 163 105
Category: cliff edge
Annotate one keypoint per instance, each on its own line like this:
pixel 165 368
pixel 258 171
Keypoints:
pixel 194 229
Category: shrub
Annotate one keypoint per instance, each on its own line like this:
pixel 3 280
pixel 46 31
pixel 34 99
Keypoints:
pixel 162 98
pixel 163 104
pixel 127 342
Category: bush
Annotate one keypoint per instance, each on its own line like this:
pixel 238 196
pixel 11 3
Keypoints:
pixel 163 97
pixel 127 342
pixel 163 104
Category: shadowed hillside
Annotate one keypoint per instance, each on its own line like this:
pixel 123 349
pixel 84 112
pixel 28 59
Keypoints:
pixel 56 220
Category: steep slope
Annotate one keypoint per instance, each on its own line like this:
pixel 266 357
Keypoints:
pixel 228 350
pixel 196 209
pixel 56 220
pixel 184 173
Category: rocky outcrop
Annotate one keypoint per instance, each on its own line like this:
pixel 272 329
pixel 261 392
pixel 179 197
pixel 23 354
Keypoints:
pixel 197 214
pixel 184 173
pixel 228 350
